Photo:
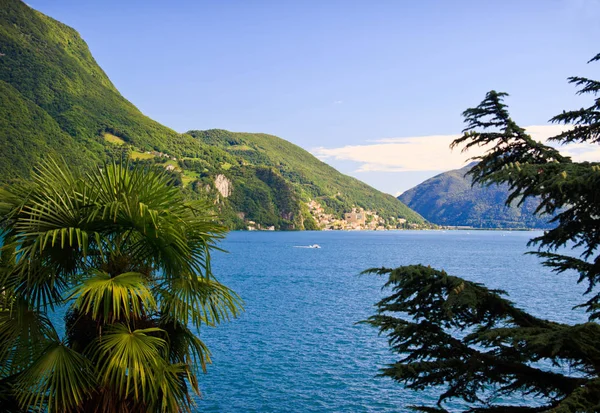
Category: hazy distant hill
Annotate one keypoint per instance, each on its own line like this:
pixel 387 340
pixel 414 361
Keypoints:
pixel 449 199
pixel 56 100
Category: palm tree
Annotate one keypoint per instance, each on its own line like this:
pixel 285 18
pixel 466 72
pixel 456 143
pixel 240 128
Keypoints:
pixel 130 260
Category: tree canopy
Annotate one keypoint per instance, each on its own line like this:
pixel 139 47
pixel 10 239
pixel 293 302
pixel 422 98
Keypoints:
pixel 472 342
pixel 129 259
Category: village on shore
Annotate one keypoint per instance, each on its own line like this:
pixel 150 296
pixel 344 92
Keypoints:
pixel 358 219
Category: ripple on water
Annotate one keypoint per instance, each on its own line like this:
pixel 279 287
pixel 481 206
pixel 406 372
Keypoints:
pixel 297 348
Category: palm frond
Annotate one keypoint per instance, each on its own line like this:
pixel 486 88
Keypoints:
pixel 24 333
pixel 128 360
pixel 110 298
pixel 48 220
pixel 184 345
pixel 36 282
pixel 170 385
pixel 59 380
pixel 197 300
pixel 164 229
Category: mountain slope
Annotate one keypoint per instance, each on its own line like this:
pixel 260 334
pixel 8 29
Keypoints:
pixel 56 100
pixel 449 199
pixel 312 178
pixel 51 66
pixel 28 133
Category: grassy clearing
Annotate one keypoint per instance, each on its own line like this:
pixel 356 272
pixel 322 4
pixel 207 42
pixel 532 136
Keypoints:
pixel 141 155
pixel 188 177
pixel 240 148
pixel 115 140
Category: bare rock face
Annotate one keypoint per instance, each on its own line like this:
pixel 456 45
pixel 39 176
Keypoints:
pixel 223 185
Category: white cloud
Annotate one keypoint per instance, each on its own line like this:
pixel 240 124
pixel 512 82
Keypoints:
pixel 433 153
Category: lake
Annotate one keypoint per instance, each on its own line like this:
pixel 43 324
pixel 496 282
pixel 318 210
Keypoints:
pixel 297 347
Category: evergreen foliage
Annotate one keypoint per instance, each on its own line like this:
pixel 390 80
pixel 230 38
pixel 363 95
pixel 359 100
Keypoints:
pixel 28 134
pixel 473 342
pixel 130 259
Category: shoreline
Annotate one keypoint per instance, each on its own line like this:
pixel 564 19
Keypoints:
pixel 395 229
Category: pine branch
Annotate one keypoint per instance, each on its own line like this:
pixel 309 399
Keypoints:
pixel 433 305
pixel 532 169
pixel 585 399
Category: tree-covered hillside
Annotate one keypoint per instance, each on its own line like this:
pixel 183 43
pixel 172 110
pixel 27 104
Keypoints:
pixel 312 178
pixel 450 199
pixel 55 100
pixel 49 65
pixel 27 133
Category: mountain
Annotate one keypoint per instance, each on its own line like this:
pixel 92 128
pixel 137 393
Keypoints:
pixel 449 199
pixel 56 101
pixel 310 178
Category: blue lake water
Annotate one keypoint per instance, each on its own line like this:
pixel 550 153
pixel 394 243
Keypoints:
pixel 296 348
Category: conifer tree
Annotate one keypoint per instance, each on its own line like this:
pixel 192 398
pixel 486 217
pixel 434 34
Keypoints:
pixel 471 341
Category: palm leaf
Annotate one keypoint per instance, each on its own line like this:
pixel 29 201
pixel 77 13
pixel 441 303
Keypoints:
pixel 35 282
pixel 175 235
pixel 185 346
pixel 170 385
pixel 47 232
pixel 110 298
pixel 24 333
pixel 197 300
pixel 128 360
pixel 60 379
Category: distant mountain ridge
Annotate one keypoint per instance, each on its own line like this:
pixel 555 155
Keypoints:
pixel 450 199
pixel 56 101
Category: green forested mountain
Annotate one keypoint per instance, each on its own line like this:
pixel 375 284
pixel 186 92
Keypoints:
pixel 310 177
pixel 56 100
pixel 449 199
pixel 50 66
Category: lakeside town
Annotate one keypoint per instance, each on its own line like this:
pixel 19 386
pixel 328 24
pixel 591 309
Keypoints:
pixel 358 219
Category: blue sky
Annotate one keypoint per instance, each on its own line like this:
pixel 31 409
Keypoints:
pixel 331 75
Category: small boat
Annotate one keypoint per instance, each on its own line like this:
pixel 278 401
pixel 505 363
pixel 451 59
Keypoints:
pixel 314 246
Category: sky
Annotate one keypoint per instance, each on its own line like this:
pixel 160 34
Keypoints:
pixel 374 88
